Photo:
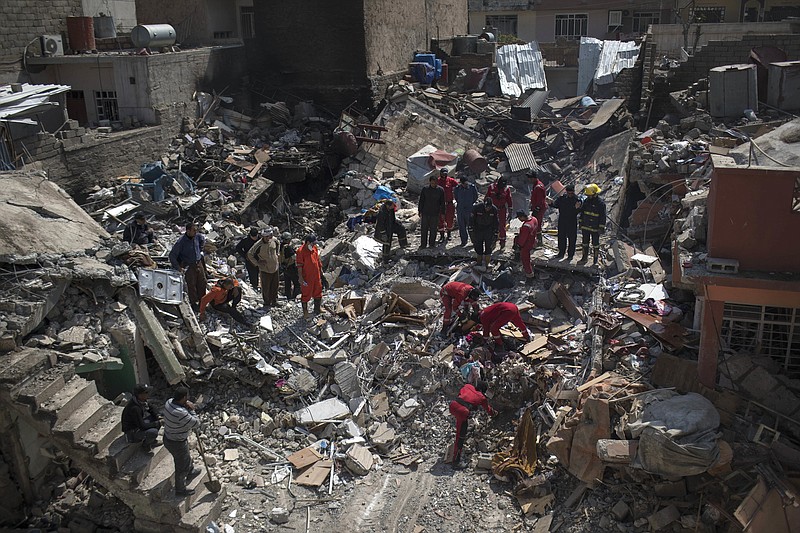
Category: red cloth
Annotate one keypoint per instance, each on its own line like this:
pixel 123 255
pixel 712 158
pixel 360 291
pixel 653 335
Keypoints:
pixel 503 202
pixel 310 268
pixel 539 199
pixel 453 294
pixel 498 315
pixel 470 394
pixel 526 239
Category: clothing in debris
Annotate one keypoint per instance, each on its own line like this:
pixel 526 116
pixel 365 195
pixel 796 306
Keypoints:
pixel 387 226
pixel 454 295
pixel 291 279
pixel 187 255
pixel 448 218
pixel 466 194
pixel 264 253
pixel 224 300
pixel 310 269
pixel 483 227
pixel 500 195
pixel 140 234
pixel 242 247
pixel 431 206
pixel 497 315
pixel 568 207
pixel 538 200
pixel 140 422
pixel 469 399
pixel 526 241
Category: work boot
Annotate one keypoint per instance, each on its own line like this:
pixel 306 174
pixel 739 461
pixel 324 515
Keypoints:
pixel 479 263
pixel 305 310
pixel 595 253
pixel 448 236
pixel 486 259
pixel 584 254
pixel 317 306
pixel 441 236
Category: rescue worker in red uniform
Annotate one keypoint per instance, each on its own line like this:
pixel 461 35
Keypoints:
pixel 309 268
pixel 525 241
pixel 538 199
pixel 500 194
pixel 498 315
pixel 453 295
pixel 447 220
pixel 469 399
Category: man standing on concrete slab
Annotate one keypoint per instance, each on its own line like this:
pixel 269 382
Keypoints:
pixel 264 253
pixel 242 248
pixel 140 422
pixel 291 279
pixel 466 194
pixel 496 316
pixel 453 295
pixel 538 198
pixel 469 399
pixel 309 267
pixel 430 208
pixel 187 257
pixel 387 226
pixel 593 221
pixel 447 219
pixel 525 241
pixel 179 420
pixel 568 206
pixel 500 194
pixel 138 232
pixel 483 226
pixel 224 297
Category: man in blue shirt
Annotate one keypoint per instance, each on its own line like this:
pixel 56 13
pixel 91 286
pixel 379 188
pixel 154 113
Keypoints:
pixel 187 257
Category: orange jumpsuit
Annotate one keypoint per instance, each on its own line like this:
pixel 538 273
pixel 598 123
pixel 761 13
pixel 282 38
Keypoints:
pixel 310 268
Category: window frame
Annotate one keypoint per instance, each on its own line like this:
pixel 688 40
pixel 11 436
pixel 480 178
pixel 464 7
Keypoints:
pixel 653 16
pixel 500 22
pixel 102 99
pixel 247 20
pixel 572 18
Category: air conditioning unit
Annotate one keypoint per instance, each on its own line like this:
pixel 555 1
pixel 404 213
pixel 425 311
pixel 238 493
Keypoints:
pixel 614 18
pixel 52 45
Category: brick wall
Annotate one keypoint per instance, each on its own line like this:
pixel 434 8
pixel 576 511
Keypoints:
pixel 24 21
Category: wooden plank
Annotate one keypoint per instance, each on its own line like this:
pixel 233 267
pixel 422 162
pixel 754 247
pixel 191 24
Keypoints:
pixel 565 298
pixel 535 345
pixel 256 169
pixel 604 376
pixel 303 458
pixel 315 475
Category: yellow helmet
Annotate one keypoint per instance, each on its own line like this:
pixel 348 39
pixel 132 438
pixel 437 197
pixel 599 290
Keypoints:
pixel 592 189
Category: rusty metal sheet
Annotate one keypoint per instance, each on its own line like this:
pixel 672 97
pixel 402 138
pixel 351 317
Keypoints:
pixel 602 116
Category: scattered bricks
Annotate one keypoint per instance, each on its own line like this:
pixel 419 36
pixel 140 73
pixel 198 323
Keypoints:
pixel 620 511
pixel 484 461
pixel 759 383
pixel 663 518
pixel 71 125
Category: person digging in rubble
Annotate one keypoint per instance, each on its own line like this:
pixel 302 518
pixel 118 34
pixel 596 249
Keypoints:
pixel 538 201
pixel 525 241
pixel 244 246
pixel 291 279
pixel 469 399
pixel 187 257
pixel 483 230
pixel 224 296
pixel 264 253
pixel 568 206
pixel 140 421
pixel 309 267
pixel 500 194
pixel 387 226
pixel 495 316
pixel 457 296
pixel 466 194
pixel 430 207
pixel 593 221
pixel 179 420
pixel 448 218
pixel 138 232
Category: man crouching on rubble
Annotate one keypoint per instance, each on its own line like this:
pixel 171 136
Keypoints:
pixel 469 399
pixel 309 267
pixel 498 315
pixel 454 295
pixel 224 297
pixel 179 420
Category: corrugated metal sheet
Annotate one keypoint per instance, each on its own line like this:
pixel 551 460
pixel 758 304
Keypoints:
pixel 615 56
pixel 602 116
pixel 535 101
pixel 29 100
pixel 520 157
pixel 520 67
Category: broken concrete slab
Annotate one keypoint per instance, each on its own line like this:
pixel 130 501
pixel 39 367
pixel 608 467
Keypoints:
pixel 661 519
pixel 346 376
pixel 330 357
pixel 383 437
pixel 330 409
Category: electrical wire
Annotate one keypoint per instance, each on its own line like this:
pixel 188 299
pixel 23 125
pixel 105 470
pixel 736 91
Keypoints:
pixel 757 147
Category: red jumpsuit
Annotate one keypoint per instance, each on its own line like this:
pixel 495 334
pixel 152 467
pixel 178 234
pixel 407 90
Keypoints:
pixel 526 240
pixel 453 294
pixel 448 219
pixel 538 199
pixel 473 398
pixel 498 315
pixel 503 202
pixel 310 268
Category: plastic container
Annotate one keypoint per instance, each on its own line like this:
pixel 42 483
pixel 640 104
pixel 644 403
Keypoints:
pixel 422 72
pixel 153 35
pixel 425 58
pixel 104 28
pixel 80 33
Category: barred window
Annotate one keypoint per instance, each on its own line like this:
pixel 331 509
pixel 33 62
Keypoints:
pixel 572 25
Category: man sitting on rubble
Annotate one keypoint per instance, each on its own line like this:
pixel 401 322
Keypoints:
pixel 187 257
pixel 138 232
pixel 309 268
pixel 387 226
pixel 291 279
pixel 224 297
pixel 264 253
pixel 242 247
pixel 469 399
pixel 483 228
pixel 455 297
pixel 179 420
pixel 140 421
pixel 525 241
pixel 496 316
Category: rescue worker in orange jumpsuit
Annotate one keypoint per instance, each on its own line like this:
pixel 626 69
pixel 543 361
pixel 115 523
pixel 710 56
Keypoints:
pixel 538 199
pixel 525 241
pixel 500 194
pixel 309 267
pixel 498 315
pixel 447 220
pixel 454 294
pixel 224 297
pixel 469 399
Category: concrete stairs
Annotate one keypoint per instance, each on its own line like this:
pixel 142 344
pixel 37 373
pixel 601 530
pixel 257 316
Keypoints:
pixel 87 428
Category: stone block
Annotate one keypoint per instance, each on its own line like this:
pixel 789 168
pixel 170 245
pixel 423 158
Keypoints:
pixel 661 519
pixel 736 366
pixel 620 511
pixel 759 383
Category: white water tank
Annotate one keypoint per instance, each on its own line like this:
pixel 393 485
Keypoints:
pixel 732 89
pixel 153 35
